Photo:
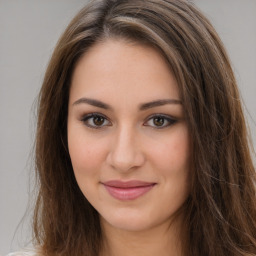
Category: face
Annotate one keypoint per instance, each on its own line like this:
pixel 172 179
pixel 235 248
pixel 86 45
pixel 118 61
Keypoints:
pixel 127 136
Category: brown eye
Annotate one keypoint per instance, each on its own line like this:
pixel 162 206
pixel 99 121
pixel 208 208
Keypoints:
pixel 159 121
pixel 95 121
pixel 98 120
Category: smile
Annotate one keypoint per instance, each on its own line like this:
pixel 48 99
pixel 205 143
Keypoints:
pixel 129 190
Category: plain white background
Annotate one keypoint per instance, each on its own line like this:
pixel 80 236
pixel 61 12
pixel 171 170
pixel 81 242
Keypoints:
pixel 29 30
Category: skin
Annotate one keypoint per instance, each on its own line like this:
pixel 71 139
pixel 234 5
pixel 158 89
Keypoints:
pixel 130 143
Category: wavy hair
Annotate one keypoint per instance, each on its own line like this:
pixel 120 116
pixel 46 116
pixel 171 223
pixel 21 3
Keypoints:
pixel 220 213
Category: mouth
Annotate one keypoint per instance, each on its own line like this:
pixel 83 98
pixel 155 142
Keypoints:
pixel 127 190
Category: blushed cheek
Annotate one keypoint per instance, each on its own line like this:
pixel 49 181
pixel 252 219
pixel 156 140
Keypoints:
pixel 86 156
pixel 172 154
pixel 84 167
pixel 172 157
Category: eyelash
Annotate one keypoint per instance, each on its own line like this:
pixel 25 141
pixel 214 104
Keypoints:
pixel 92 116
pixel 168 121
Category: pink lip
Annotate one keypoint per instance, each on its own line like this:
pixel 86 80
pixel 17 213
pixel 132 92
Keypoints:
pixel 127 190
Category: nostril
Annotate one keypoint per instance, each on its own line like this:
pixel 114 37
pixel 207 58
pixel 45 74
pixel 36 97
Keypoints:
pixel 123 160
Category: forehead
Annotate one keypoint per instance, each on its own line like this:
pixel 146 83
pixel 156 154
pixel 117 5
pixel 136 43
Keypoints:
pixel 116 68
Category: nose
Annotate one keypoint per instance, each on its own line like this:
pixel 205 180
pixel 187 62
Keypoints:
pixel 125 152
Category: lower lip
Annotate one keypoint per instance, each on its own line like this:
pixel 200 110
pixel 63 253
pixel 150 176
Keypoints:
pixel 126 194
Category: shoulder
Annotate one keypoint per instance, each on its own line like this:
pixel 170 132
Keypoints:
pixel 25 252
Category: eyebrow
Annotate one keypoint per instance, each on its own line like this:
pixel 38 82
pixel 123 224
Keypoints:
pixel 144 106
pixel 158 103
pixel 93 102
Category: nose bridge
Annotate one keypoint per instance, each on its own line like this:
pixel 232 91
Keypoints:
pixel 125 152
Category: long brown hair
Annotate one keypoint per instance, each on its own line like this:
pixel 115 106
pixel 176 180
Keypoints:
pixel 220 213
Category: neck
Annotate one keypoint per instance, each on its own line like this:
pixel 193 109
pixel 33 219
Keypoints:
pixel 164 240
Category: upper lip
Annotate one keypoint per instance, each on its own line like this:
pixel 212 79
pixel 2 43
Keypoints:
pixel 127 184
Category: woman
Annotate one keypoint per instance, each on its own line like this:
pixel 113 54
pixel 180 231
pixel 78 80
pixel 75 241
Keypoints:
pixel 141 141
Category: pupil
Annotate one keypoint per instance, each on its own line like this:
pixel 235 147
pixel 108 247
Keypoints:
pixel 98 120
pixel 158 121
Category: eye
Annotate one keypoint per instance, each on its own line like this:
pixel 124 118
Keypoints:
pixel 160 121
pixel 95 120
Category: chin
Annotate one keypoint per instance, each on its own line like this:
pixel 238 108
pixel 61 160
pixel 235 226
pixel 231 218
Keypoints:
pixel 132 221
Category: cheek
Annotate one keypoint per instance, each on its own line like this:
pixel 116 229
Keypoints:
pixel 173 153
pixel 86 154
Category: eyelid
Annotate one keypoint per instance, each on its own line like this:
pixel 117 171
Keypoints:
pixel 169 118
pixel 86 117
